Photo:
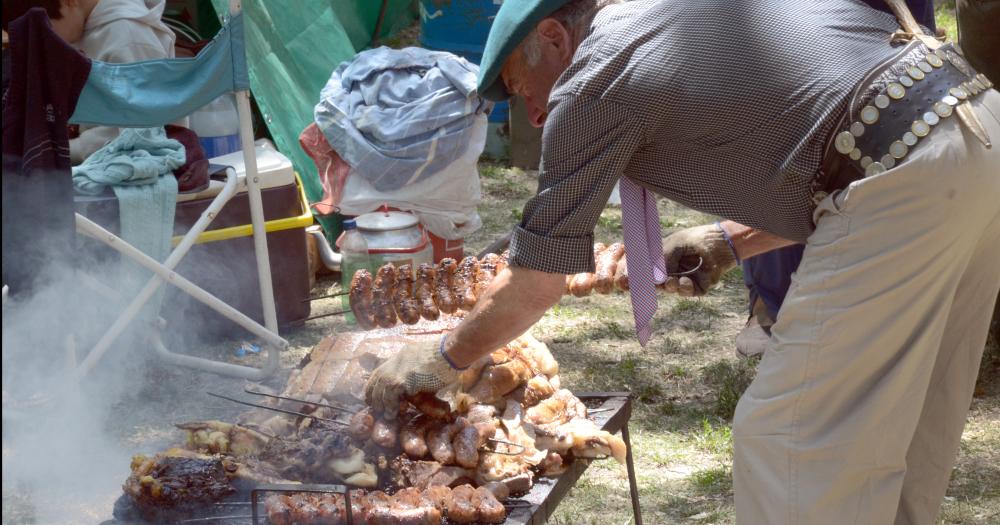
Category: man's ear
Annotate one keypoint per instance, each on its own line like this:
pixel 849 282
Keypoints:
pixel 555 36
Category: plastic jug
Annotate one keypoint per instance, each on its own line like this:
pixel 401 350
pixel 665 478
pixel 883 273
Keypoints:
pixel 354 249
pixel 218 126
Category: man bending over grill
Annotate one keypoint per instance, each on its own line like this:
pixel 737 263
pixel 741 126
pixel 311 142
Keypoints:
pixel 797 122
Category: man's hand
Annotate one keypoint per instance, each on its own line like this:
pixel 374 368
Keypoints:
pixel 418 367
pixel 681 252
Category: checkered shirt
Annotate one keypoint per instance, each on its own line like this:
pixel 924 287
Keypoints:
pixel 723 106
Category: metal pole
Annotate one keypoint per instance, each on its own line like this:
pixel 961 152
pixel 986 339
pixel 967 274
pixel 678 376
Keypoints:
pixel 633 485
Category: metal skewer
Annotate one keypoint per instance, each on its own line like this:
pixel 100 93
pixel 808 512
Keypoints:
pixel 303 401
pixel 327 296
pixel 283 411
pixel 504 442
pixel 216 518
pixel 341 312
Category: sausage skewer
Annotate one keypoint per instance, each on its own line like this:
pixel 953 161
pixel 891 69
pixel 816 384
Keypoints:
pixel 361 299
pixel 583 283
pixel 407 307
pixel 382 296
pixel 464 281
pixel 443 296
pixel 607 264
pixel 423 290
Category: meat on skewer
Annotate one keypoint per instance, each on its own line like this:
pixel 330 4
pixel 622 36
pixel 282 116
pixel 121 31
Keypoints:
pixel 384 433
pixel 464 281
pixel 583 283
pixel 413 436
pixel 485 274
pixel 360 296
pixel 489 508
pixel 423 290
pixel 444 297
pixel 431 405
pixel 607 264
pixel 460 509
pixel 360 425
pixel 382 296
pixel 439 442
pixel 621 274
pixel 407 306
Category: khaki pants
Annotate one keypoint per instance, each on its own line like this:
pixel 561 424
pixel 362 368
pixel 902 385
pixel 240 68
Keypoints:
pixel 858 406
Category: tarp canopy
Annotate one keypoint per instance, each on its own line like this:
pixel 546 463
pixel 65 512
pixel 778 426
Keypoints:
pixel 291 51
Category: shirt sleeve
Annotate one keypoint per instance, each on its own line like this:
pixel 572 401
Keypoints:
pixel 586 145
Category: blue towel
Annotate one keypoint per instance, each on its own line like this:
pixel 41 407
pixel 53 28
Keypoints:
pixel 138 165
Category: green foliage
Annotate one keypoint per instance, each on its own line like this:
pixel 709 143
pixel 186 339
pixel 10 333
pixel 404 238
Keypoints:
pixel 729 380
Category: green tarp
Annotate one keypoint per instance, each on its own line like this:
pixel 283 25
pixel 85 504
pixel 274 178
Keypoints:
pixel 292 47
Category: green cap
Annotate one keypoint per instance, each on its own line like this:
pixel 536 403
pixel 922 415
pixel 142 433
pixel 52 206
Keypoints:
pixel 515 20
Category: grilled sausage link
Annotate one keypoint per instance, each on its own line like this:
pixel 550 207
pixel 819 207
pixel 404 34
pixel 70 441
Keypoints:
pixel 607 264
pixel 360 296
pixel 621 274
pixel 583 283
pixel 423 290
pixel 407 307
pixel 463 283
pixel 487 272
pixel 382 296
pixel 443 295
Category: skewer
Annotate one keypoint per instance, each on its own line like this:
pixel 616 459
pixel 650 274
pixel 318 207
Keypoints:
pixel 341 312
pixel 504 442
pixel 517 504
pixel 688 272
pixel 327 296
pixel 215 518
pixel 316 403
pixel 290 412
pixel 597 410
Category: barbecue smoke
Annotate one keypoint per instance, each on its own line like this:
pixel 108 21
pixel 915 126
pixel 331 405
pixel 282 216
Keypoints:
pixel 61 464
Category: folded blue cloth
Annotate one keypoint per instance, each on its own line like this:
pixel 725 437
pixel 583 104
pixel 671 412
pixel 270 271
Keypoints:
pixel 138 165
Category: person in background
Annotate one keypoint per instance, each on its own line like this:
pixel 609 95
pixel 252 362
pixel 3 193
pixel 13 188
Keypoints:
pixel 115 31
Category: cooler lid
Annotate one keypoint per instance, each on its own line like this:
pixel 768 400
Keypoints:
pixel 275 170
pixel 386 221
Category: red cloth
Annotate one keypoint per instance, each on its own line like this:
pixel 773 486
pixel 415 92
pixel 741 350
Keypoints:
pixel 193 175
pixel 333 170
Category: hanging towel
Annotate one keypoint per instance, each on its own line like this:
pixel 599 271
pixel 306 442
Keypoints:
pixel 138 165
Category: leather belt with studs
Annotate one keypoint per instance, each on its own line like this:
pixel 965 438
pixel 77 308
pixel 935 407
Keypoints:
pixel 886 129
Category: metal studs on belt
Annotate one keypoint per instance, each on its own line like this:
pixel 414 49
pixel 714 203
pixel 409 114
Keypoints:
pixel 931 118
pixel 874 169
pixel 855 154
pixel 898 149
pixel 942 109
pixel 869 114
pixel 924 66
pixel 958 93
pixel 895 91
pixel 978 84
pixel 844 142
pixel 950 100
pixel 920 128
pixel 915 72
pixel 865 162
pixel 959 63
pixel 906 81
pixel 887 161
pixel 909 139
pixel 857 129
pixel 882 101
pixel 985 81
pixel 934 60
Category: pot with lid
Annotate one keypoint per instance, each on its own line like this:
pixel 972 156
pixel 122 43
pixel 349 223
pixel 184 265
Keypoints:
pixel 396 237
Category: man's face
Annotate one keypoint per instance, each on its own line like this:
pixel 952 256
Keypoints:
pixel 74 18
pixel 533 82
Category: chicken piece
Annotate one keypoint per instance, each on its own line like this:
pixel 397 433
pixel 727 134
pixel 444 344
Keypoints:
pixel 219 437
pixel 385 432
pixel 446 301
pixel 479 413
pixel 536 354
pixel 431 405
pixel 537 389
pixel 469 440
pixel 607 264
pixel 621 274
pixel 439 442
pixel 575 409
pixel 361 300
pixel 498 381
pixel 367 478
pixel 499 490
pixel 423 290
pixel 552 466
pixel 361 424
pixel 413 436
pixel 489 509
pixel 561 407
pixel 407 306
pixel 460 508
pixel 470 376
pixel 383 292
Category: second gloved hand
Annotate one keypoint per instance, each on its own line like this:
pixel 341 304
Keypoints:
pixel 681 252
pixel 417 368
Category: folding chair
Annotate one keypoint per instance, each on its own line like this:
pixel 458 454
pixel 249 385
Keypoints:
pixel 153 93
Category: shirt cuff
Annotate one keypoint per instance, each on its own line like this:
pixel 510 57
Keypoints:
pixel 565 255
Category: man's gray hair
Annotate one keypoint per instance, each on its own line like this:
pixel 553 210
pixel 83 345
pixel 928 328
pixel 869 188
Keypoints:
pixel 576 16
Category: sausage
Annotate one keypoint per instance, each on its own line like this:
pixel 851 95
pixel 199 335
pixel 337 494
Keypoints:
pixel 407 307
pixel 463 283
pixel 443 295
pixel 460 509
pixel 439 442
pixel 621 274
pixel 413 436
pixel 490 510
pixel 423 290
pixel 399 515
pixel 360 425
pixel 279 512
pixel 382 296
pixel 469 440
pixel 583 283
pixel 607 264
pixel 503 262
pixel 485 274
pixel 360 296
pixel 384 433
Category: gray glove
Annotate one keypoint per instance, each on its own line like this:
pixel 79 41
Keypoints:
pixel 681 252
pixel 417 368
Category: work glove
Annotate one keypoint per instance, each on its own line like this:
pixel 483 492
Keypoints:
pixel 681 253
pixel 417 368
